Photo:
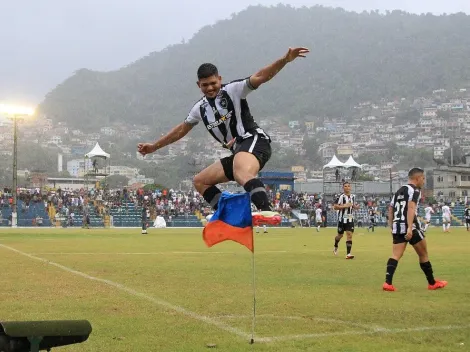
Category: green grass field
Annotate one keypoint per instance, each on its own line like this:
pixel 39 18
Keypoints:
pixel 167 292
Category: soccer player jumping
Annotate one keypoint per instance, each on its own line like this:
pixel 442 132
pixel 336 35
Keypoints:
pixel 225 113
pixel 403 219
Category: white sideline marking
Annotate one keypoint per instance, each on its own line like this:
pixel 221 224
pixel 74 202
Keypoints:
pixel 132 292
pixel 345 333
pixel 144 253
pixel 201 252
pixel 306 318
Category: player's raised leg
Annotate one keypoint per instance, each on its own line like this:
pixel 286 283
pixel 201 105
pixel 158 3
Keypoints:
pixel 205 183
pixel 245 170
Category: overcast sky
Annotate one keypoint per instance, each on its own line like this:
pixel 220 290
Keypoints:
pixel 44 41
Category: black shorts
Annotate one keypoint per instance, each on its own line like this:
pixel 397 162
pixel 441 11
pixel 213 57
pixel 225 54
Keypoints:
pixel 345 227
pixel 257 145
pixel 467 221
pixel 372 220
pixel 418 236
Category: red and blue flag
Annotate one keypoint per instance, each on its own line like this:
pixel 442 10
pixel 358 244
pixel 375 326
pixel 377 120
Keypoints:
pixel 231 221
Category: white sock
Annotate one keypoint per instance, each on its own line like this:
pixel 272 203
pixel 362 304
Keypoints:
pixel 426 227
pixel 448 226
pixel 318 227
pixel 264 228
pixel 257 229
pixel 444 227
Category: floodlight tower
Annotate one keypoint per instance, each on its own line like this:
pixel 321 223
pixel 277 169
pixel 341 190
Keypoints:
pixel 15 113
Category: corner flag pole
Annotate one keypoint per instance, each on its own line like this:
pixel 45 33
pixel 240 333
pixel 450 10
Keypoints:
pixel 253 323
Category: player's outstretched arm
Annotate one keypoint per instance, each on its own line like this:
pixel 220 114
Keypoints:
pixel 268 72
pixel 174 135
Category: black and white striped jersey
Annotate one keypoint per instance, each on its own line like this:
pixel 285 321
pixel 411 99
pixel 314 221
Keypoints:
pixel 399 203
pixel 227 116
pixel 372 212
pixel 346 215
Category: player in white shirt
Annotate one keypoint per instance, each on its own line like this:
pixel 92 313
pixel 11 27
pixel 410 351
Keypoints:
pixel 318 217
pixel 428 211
pixel 446 218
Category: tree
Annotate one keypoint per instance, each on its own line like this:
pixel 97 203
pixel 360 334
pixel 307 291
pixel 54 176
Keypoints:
pixel 371 158
pixel 408 115
pixel 457 156
pixel 117 181
pixel 415 157
pixel 391 149
pixel 284 161
pixel 443 114
pixel 63 173
pixel 365 177
pixel 153 187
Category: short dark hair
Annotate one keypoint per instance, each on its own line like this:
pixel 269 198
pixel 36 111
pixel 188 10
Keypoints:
pixel 207 70
pixel 346 183
pixel 414 171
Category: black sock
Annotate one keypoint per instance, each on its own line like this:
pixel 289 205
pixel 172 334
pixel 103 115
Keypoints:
pixel 391 267
pixel 258 194
pixel 336 243
pixel 348 247
pixel 427 269
pixel 212 196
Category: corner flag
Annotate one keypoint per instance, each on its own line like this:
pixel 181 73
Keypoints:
pixel 231 221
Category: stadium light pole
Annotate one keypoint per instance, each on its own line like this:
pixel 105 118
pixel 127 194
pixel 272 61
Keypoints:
pixel 15 113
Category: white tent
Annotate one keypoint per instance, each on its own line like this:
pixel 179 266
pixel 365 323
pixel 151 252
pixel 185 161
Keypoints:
pixel 334 162
pixel 352 163
pixel 159 222
pixel 97 152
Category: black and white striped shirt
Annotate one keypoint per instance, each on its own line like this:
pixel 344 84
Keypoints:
pixel 467 213
pixel 346 215
pixel 399 203
pixel 227 116
pixel 372 212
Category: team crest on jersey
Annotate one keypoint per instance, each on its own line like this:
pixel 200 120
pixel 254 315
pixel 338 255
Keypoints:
pixel 223 103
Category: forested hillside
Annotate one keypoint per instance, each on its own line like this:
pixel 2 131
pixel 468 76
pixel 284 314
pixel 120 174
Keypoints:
pixel 354 57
